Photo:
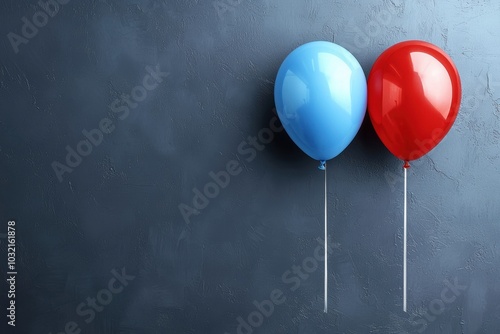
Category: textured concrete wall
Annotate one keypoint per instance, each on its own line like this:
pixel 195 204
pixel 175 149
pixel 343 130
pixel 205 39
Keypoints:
pixel 169 91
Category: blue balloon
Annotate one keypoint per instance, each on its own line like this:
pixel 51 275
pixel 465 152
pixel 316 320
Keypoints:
pixel 320 94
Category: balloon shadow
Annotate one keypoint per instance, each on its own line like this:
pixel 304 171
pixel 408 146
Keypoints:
pixel 282 151
pixel 287 153
pixel 369 144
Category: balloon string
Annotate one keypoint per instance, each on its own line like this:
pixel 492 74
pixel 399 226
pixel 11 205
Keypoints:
pixel 326 245
pixel 406 166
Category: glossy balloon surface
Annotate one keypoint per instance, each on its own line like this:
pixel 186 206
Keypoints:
pixel 414 94
pixel 321 95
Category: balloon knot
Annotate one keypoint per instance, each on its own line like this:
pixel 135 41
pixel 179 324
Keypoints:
pixel 407 164
pixel 322 165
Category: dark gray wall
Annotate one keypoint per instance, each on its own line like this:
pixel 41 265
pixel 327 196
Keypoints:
pixel 118 208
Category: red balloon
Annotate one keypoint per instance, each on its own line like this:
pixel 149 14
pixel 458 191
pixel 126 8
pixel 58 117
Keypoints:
pixel 414 95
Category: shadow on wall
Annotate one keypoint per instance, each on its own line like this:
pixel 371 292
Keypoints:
pixel 369 145
pixel 282 150
pixel 366 148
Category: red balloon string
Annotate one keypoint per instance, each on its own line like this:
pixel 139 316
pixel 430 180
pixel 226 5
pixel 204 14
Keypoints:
pixel 405 232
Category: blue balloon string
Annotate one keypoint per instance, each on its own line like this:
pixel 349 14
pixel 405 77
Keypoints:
pixel 326 245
